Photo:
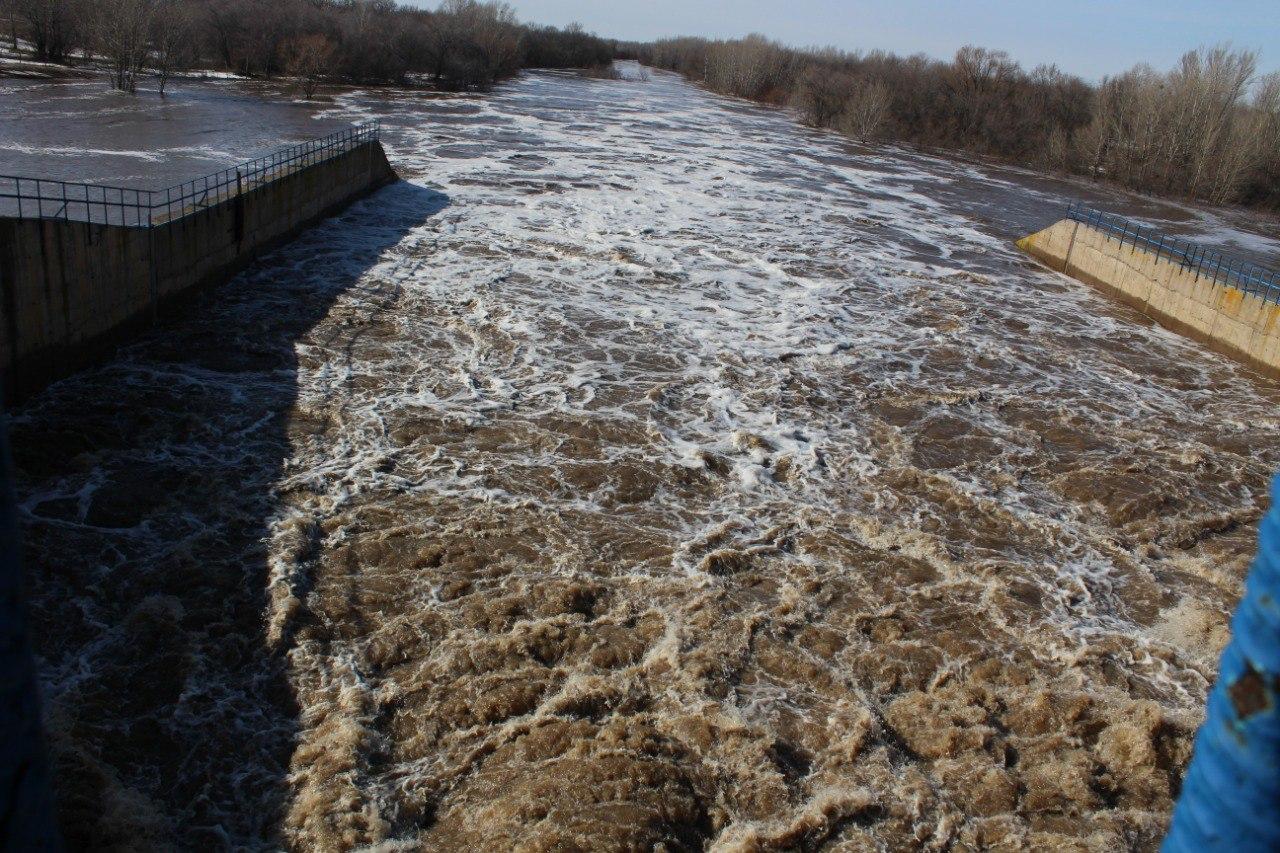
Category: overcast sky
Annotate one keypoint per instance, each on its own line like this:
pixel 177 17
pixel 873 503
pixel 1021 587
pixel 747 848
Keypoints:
pixel 1091 38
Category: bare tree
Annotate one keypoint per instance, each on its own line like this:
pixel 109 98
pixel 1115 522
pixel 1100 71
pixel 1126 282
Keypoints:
pixel 50 25
pixel 224 30
pixel 1212 82
pixel 753 67
pixel 1187 132
pixel 307 59
pixel 123 29
pixel 266 31
pixel 571 47
pixel 981 83
pixel 865 111
pixel 821 95
pixel 488 41
pixel 9 8
pixel 172 40
pixel 1264 183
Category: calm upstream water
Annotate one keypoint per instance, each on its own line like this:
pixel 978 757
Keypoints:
pixel 644 472
pixel 79 130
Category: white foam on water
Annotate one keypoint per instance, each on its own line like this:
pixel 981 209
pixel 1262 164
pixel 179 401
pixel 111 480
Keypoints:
pixel 670 343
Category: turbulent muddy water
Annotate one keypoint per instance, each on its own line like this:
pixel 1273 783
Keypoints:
pixel 645 472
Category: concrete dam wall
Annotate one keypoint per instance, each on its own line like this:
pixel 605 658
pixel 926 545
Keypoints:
pixel 1177 294
pixel 70 291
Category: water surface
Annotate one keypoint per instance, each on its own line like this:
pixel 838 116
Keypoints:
pixel 646 471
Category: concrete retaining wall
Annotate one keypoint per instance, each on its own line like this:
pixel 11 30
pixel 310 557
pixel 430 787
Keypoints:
pixel 71 291
pixel 1224 317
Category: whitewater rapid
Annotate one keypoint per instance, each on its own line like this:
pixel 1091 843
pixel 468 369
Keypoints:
pixel 645 471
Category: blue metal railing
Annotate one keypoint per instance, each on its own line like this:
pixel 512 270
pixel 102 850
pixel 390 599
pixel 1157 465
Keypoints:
pixel 1203 261
pixel 38 198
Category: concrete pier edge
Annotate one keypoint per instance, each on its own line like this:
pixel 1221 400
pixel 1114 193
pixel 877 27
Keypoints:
pixel 71 292
pixel 1243 326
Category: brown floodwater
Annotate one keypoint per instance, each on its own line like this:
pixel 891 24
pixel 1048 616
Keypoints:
pixel 645 472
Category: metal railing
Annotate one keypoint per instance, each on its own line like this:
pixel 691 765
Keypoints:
pixel 1203 261
pixel 39 198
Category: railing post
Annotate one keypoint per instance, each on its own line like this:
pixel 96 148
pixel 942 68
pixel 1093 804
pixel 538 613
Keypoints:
pixel 151 260
pixel 239 210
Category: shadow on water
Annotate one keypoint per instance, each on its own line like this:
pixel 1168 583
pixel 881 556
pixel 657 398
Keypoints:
pixel 147 489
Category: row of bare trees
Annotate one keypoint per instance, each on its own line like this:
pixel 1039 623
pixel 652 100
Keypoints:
pixel 136 36
pixel 1208 129
pixel 462 44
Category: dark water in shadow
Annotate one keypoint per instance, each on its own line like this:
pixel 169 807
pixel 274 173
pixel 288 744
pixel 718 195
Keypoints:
pixel 147 487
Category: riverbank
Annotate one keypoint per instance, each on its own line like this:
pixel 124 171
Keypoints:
pixel 54 130
pixel 1210 133
pixel 1243 232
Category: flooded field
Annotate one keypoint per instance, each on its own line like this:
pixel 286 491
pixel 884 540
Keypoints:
pixel 79 130
pixel 645 472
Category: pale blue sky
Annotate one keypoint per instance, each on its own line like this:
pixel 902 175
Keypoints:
pixel 1087 37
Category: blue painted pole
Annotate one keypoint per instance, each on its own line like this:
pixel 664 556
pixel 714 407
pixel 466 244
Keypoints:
pixel 1231 794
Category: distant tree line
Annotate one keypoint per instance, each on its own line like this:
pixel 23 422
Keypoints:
pixel 462 44
pixel 1209 129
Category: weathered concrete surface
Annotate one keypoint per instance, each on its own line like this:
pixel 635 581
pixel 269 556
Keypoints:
pixel 1235 323
pixel 71 291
